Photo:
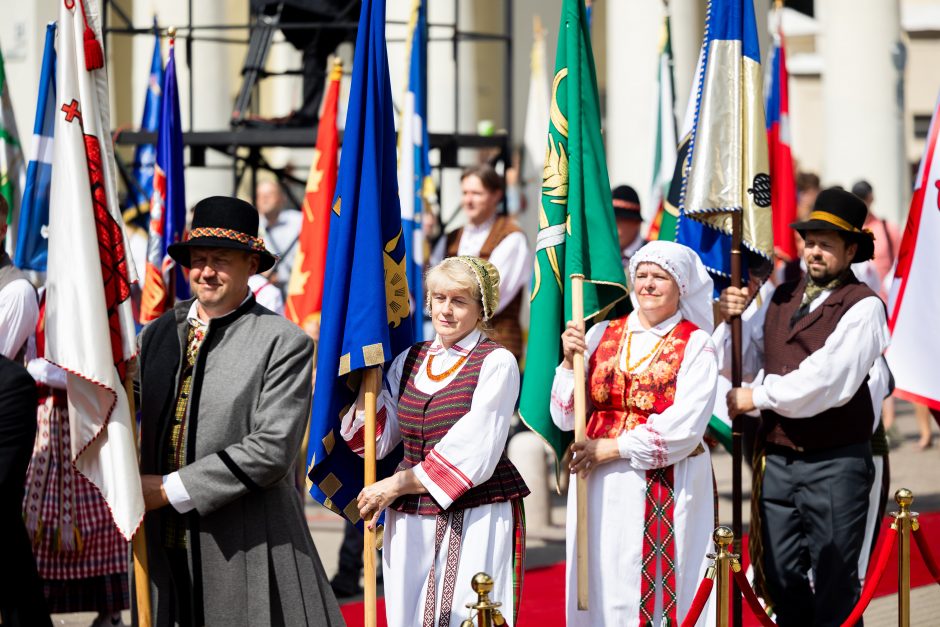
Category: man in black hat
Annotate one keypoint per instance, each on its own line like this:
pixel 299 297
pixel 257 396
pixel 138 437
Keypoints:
pixel 629 220
pixel 225 389
pixel 816 339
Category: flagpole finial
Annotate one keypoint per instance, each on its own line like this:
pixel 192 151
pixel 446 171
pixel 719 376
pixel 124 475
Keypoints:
pixel 336 70
pixel 171 32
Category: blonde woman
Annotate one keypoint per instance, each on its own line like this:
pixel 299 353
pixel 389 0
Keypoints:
pixel 454 506
pixel 651 381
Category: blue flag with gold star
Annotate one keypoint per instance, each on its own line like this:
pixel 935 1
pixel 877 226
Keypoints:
pixel 366 316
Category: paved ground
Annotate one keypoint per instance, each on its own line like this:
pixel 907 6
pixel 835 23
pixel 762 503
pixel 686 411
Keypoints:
pixel 910 468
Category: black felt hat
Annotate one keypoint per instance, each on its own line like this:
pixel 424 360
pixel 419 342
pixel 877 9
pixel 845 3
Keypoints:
pixel 838 210
pixel 223 222
pixel 626 203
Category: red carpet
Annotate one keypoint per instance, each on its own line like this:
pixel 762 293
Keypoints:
pixel 543 601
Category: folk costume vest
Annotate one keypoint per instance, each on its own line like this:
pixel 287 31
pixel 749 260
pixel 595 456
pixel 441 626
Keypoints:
pixel 506 327
pixel 424 419
pixel 623 401
pixel 787 344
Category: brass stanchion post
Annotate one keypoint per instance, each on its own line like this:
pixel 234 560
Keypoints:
pixel 487 613
pixel 723 538
pixel 905 521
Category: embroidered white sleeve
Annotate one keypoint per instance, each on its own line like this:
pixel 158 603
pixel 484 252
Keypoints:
pixel 387 433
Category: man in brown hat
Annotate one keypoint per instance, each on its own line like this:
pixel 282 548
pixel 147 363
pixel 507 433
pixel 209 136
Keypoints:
pixel 225 396
pixel 816 339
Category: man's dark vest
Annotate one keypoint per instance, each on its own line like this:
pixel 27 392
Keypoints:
pixel 506 328
pixel 785 348
pixel 425 419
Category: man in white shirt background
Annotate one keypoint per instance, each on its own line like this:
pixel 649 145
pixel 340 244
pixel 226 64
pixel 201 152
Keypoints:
pixel 280 229
pixel 497 238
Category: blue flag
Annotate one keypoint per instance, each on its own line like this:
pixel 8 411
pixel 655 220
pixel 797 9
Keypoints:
pixel 726 163
pixel 165 282
pixel 366 318
pixel 32 245
pixel 414 167
pixel 145 155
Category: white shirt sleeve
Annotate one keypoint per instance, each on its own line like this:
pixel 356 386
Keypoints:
pixel 674 434
pixel 752 341
pixel 511 258
pixel 19 313
pixel 831 376
pixel 387 433
pixel 177 494
pixel 561 405
pixel 47 373
pixel 468 453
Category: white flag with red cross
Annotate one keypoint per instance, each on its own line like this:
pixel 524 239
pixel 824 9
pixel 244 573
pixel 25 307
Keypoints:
pixel 89 324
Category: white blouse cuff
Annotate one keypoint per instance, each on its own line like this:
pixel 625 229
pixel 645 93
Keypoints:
pixel 760 398
pixel 177 494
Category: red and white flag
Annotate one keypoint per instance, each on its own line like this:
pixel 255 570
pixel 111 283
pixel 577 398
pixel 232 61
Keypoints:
pixel 89 324
pixel 914 301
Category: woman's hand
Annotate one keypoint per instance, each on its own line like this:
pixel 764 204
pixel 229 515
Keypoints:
pixel 572 341
pixel 375 498
pixel 588 455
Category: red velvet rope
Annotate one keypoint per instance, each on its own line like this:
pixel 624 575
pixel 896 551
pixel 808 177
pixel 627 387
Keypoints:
pixel 928 557
pixel 751 598
pixel 873 577
pixel 698 603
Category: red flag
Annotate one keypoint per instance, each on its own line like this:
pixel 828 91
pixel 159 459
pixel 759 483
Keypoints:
pixel 305 289
pixel 915 292
pixel 783 187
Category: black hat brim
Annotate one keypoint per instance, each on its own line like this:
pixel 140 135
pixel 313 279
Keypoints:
pixel 865 241
pixel 180 251
pixel 628 215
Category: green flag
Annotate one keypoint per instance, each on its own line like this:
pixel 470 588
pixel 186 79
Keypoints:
pixel 12 166
pixel 577 232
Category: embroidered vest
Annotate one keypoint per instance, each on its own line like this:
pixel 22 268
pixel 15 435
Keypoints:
pixel 425 419
pixel 787 346
pixel 623 400
pixel 506 328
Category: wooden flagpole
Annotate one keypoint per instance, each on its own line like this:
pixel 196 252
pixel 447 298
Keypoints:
pixel 371 381
pixel 737 228
pixel 139 542
pixel 580 434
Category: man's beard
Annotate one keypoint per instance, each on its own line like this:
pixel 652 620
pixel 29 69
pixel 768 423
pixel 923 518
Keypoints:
pixel 828 277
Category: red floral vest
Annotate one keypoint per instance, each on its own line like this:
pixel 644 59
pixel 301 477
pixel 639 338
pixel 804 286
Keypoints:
pixel 624 400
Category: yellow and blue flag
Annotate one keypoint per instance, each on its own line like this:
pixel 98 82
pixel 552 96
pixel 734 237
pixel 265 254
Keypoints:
pixel 32 245
pixel 145 155
pixel 726 164
pixel 366 318
pixel 414 166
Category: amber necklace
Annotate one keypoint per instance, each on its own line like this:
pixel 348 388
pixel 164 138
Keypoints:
pixel 649 355
pixel 446 373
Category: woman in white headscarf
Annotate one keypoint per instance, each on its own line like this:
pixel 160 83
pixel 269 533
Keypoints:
pixel 651 380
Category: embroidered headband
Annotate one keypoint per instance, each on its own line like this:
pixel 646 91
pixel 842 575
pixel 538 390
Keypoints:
pixel 255 243
pixel 487 280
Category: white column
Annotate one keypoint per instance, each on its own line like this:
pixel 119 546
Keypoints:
pixel 688 28
pixel 862 101
pixel 633 30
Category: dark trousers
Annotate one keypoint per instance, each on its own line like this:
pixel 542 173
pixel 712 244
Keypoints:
pixel 813 507
pixel 350 557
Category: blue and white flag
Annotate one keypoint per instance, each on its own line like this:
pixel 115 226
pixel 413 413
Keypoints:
pixel 366 315
pixel 32 244
pixel 414 168
pixel 726 165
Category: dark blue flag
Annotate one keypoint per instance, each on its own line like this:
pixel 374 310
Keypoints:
pixel 32 245
pixel 366 318
pixel 165 282
pixel 137 210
